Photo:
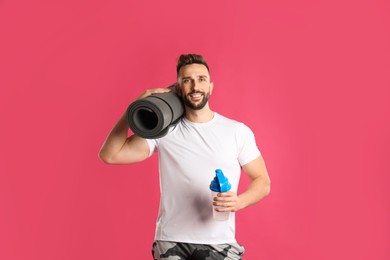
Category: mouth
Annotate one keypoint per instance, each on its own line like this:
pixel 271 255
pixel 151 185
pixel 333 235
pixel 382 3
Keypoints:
pixel 196 96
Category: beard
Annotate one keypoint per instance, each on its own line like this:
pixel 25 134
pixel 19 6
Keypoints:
pixel 187 100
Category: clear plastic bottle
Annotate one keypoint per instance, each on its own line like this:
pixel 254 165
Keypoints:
pixel 220 183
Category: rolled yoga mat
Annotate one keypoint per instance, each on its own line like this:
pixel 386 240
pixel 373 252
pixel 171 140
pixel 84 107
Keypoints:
pixel 151 116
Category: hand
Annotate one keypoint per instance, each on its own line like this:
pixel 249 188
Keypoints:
pixel 149 92
pixel 227 201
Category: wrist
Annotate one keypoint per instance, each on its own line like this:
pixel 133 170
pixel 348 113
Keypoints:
pixel 242 204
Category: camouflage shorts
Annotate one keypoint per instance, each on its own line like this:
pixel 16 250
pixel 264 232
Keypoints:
pixel 165 250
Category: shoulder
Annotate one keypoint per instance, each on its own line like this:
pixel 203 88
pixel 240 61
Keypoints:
pixel 226 121
pixel 240 130
pixel 234 124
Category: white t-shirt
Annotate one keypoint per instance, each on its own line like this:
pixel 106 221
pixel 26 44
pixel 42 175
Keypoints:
pixel 188 157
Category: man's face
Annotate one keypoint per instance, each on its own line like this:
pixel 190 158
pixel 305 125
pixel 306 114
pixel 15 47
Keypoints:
pixel 194 85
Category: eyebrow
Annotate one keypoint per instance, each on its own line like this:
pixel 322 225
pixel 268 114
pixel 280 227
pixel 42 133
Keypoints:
pixel 200 76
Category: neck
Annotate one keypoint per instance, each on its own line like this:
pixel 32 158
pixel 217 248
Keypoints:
pixel 199 116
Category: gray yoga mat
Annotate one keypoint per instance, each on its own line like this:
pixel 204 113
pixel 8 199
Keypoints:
pixel 151 116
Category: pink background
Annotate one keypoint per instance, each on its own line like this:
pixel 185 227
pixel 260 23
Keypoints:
pixel 311 78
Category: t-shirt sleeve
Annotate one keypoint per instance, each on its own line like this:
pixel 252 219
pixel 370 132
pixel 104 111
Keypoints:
pixel 247 148
pixel 152 146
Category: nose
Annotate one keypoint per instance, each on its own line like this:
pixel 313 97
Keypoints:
pixel 195 85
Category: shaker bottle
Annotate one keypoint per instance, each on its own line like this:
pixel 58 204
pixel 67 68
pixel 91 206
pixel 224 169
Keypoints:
pixel 219 184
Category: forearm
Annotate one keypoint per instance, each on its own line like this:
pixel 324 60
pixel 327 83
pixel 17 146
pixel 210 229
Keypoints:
pixel 257 190
pixel 119 148
pixel 115 140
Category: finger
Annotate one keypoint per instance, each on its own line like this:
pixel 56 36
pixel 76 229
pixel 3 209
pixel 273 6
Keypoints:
pixel 149 92
pixel 225 203
pixel 156 91
pixel 226 198
pixel 160 90
pixel 226 194
pixel 225 209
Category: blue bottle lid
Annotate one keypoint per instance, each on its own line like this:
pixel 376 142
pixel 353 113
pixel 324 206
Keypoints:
pixel 220 183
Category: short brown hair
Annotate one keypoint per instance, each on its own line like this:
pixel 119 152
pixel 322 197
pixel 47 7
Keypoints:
pixel 186 59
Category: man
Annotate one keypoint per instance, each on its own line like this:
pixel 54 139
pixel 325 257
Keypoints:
pixel 201 142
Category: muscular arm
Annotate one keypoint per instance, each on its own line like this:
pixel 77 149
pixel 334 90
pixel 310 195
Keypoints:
pixel 258 188
pixel 119 148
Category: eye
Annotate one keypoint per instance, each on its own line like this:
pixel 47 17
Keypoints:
pixel 186 80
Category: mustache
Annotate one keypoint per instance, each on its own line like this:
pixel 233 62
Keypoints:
pixel 196 92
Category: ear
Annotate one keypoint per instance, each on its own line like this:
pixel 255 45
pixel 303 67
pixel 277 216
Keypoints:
pixel 178 89
pixel 211 87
